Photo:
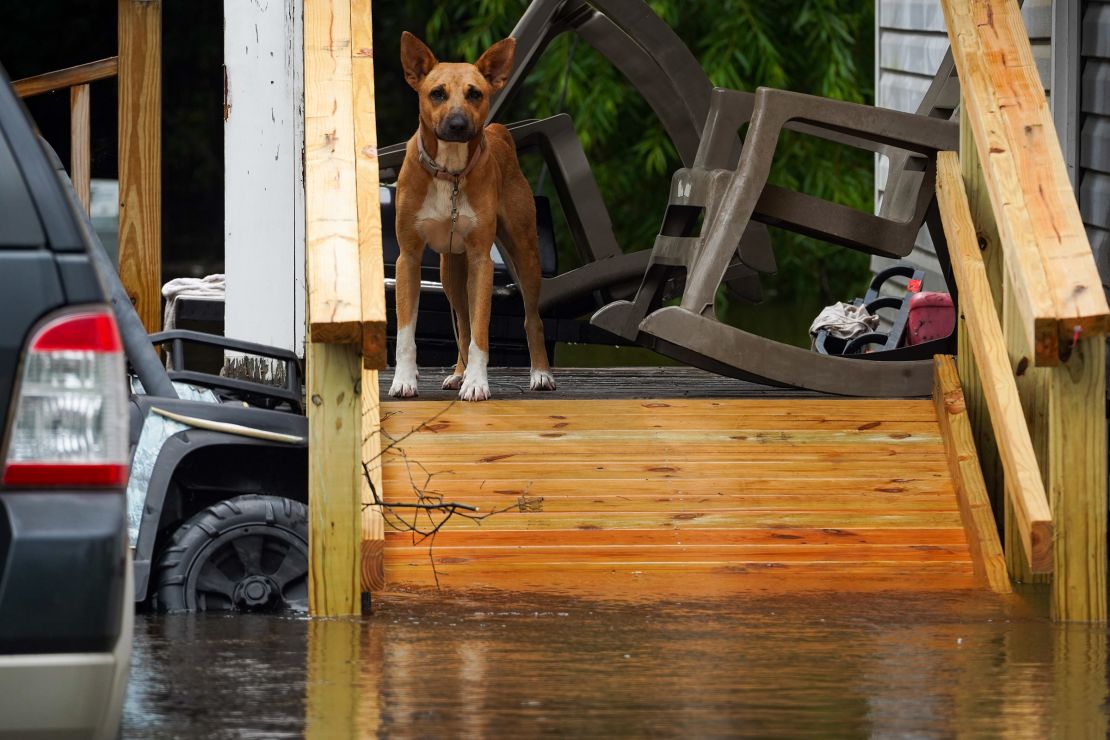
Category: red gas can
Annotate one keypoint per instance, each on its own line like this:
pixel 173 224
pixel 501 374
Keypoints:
pixel 931 316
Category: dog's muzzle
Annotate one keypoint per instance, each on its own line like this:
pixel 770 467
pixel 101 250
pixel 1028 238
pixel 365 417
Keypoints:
pixel 455 127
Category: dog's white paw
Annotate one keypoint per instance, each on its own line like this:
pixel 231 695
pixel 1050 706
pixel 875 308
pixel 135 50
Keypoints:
pixel 452 382
pixel 542 380
pixel 474 389
pixel 404 384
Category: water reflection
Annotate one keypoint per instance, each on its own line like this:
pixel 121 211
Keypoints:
pixel 810 666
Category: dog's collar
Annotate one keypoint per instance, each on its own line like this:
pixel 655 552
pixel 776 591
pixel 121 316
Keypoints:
pixel 435 169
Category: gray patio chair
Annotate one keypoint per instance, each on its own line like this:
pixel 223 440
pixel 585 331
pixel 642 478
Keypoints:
pixel 729 190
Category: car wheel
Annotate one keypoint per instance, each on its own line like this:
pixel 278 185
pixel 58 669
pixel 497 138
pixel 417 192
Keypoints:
pixel 247 553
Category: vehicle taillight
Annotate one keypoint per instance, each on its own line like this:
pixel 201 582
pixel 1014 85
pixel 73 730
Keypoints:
pixel 70 426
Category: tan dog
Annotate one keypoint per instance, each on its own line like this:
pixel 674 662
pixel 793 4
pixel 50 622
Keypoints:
pixel 459 187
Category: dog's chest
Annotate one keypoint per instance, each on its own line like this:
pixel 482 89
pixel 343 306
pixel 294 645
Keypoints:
pixel 433 220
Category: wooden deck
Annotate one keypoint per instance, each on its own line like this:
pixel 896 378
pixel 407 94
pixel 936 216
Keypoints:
pixel 679 497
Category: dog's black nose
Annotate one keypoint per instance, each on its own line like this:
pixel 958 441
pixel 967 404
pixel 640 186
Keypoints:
pixel 457 124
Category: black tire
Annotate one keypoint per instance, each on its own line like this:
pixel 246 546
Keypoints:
pixel 248 553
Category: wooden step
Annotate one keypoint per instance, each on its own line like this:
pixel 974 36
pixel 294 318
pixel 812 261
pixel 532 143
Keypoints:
pixel 682 498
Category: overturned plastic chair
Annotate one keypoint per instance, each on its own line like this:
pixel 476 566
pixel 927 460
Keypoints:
pixel 728 189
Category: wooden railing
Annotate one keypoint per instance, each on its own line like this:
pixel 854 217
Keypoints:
pixel 138 69
pixel 1033 312
pixel 77 80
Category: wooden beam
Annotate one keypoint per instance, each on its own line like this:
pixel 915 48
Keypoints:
pixel 971 492
pixel 331 222
pixel 82 74
pixel 79 146
pixel 140 156
pixel 334 472
pixel 373 522
pixel 990 247
pixel 1048 255
pixel 369 205
pixel 1023 477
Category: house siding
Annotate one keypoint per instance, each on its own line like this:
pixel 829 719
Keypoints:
pixel 911 41
pixel 1094 137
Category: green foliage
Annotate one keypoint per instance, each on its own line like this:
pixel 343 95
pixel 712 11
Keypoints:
pixel 816 46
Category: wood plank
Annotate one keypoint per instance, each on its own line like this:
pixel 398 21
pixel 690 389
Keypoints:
pixel 584 383
pixel 1077 481
pixel 331 207
pixel 971 492
pixel 373 525
pixel 737 423
pixel 1023 479
pixel 735 519
pixel 907 536
pixel 695 437
pixel 80 131
pixel 372 271
pixel 82 74
pixel 1032 385
pixel 466 490
pixel 654 582
pixel 617 504
pixel 1048 255
pixel 664 470
pixel 701 555
pixel 140 156
pixel 990 246
pixel 334 478
pixel 864 409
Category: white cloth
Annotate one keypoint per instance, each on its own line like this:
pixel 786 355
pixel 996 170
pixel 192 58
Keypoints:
pixel 211 287
pixel 844 321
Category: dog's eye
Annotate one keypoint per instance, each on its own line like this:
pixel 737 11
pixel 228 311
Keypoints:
pixel 438 95
pixel 473 95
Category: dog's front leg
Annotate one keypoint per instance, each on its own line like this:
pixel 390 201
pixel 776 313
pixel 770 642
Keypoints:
pixel 453 271
pixel 405 373
pixel 479 291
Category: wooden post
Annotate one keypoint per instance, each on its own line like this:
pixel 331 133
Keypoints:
pixel 79 155
pixel 334 473
pixel 334 312
pixel 373 522
pixel 1076 472
pixel 140 156
pixel 373 286
pixel 369 205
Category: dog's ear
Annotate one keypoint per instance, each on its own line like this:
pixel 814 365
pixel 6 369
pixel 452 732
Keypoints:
pixel 496 64
pixel 416 59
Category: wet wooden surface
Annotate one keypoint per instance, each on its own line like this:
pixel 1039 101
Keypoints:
pixel 682 497
pixel 605 383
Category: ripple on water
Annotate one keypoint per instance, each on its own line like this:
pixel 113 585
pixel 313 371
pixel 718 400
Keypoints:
pixel 505 665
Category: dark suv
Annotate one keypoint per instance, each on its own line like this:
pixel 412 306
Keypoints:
pixel 65 579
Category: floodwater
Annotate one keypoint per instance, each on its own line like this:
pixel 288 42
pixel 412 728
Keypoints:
pixel 441 666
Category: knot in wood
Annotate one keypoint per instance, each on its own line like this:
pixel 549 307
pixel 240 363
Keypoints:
pixel 954 402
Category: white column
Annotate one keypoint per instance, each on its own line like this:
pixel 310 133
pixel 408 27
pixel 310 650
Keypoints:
pixel 264 172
